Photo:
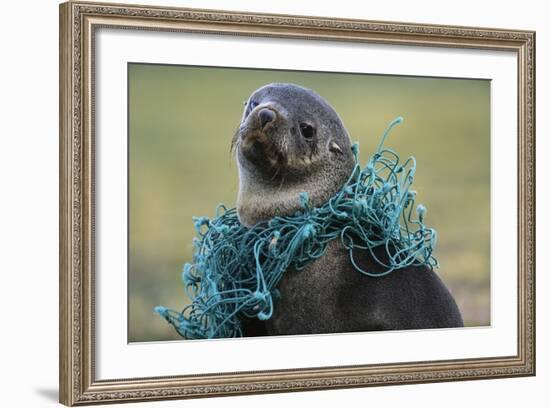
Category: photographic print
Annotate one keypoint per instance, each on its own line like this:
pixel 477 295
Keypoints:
pixel 276 202
pixel 255 203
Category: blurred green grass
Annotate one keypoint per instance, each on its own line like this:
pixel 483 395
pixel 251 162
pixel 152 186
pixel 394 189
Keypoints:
pixel 181 120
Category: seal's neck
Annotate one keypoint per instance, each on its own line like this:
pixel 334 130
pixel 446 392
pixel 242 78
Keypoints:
pixel 260 200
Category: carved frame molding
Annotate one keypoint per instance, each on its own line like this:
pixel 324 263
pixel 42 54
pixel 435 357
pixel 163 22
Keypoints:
pixel 78 22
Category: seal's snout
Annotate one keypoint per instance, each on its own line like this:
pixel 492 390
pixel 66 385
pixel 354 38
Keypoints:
pixel 266 116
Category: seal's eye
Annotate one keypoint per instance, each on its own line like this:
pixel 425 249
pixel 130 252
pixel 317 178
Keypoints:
pixel 250 105
pixel 307 131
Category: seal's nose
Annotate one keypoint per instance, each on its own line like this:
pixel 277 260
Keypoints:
pixel 266 116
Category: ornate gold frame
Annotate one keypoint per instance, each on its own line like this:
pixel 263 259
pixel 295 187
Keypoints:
pixel 78 22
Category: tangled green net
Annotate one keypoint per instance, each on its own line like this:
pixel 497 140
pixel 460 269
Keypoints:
pixel 236 269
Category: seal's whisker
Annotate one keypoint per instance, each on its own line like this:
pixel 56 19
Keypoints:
pixel 281 185
pixel 285 144
pixel 277 170
pixel 235 139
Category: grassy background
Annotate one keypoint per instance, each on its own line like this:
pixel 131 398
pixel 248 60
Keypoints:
pixel 181 120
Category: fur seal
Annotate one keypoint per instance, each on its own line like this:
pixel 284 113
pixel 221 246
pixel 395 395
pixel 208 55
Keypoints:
pixel 291 140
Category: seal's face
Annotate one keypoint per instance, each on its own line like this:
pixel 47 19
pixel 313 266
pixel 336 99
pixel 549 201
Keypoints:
pixel 290 140
pixel 287 131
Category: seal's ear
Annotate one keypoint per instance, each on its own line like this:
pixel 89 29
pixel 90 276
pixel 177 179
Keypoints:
pixel 333 147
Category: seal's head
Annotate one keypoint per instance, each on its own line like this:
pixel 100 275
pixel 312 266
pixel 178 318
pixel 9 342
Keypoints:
pixel 290 140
